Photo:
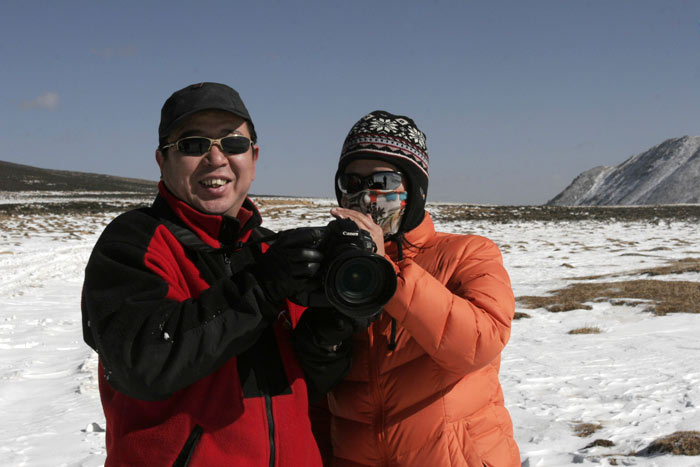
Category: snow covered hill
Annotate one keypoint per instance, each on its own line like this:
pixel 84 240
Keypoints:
pixel 19 178
pixel 668 173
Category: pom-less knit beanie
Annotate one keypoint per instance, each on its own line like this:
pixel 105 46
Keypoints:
pixel 397 140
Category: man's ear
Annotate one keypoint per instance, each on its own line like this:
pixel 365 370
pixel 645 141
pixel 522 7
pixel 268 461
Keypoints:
pixel 160 158
pixel 256 152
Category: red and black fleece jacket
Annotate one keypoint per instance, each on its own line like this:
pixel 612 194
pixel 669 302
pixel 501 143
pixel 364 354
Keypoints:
pixel 191 372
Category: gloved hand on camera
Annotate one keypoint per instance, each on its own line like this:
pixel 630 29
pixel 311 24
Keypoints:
pixel 290 266
pixel 321 342
pixel 325 328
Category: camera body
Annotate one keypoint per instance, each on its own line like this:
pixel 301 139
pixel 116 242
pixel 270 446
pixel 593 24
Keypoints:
pixel 355 280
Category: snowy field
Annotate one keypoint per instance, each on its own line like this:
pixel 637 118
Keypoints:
pixel 636 381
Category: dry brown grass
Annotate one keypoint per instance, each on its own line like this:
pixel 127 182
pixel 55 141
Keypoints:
pixel 505 214
pixel 678 266
pixel 276 208
pixel 661 297
pixel 584 430
pixel 674 267
pixel 606 443
pixel 294 202
pixel 680 443
pixel 586 330
pixel 521 315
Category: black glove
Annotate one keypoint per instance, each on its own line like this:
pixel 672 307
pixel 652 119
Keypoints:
pixel 326 328
pixel 322 345
pixel 290 265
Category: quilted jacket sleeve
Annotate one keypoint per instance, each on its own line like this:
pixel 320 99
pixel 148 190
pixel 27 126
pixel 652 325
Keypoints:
pixel 462 316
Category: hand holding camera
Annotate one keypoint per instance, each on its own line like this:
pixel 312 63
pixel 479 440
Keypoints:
pixel 290 265
pixel 328 267
pixel 364 222
pixel 326 328
pixel 354 279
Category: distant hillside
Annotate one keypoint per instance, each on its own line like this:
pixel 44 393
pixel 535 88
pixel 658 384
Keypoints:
pixel 17 177
pixel 668 173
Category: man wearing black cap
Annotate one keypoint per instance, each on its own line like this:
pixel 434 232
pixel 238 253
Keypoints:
pixel 187 307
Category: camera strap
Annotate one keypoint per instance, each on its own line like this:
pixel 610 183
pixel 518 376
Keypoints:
pixel 236 257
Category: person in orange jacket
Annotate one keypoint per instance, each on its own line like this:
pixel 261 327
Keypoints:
pixel 423 389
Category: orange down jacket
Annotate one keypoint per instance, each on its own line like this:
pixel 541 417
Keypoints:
pixel 435 400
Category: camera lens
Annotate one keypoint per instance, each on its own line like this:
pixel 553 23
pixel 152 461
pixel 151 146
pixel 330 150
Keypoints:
pixel 354 280
pixel 359 283
pixel 357 280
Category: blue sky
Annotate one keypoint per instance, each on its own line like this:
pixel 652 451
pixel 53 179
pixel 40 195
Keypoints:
pixel 516 97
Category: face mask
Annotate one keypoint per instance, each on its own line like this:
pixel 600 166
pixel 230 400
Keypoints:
pixel 385 206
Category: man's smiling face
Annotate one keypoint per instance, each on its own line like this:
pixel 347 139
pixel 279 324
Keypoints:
pixel 214 182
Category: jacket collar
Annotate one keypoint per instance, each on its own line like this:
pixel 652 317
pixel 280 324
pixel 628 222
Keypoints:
pixel 414 240
pixel 213 229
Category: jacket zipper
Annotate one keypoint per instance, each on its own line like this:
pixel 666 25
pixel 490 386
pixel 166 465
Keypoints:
pixel 227 264
pixel 265 388
pixel 270 428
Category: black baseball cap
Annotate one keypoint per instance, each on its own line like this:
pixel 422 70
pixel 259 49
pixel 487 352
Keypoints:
pixel 197 97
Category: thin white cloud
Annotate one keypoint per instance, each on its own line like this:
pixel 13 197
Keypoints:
pixel 47 101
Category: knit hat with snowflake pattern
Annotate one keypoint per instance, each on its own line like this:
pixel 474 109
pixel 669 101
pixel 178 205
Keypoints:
pixel 397 140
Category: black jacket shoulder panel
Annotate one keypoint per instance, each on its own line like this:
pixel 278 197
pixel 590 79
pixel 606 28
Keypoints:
pixel 156 324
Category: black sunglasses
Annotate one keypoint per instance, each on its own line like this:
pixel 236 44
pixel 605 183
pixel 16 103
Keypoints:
pixel 198 145
pixel 352 183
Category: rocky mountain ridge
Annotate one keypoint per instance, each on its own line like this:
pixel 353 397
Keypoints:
pixel 668 173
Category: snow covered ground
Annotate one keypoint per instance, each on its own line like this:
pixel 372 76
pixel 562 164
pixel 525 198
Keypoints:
pixel 639 379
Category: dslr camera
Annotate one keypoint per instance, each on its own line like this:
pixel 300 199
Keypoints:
pixel 355 280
